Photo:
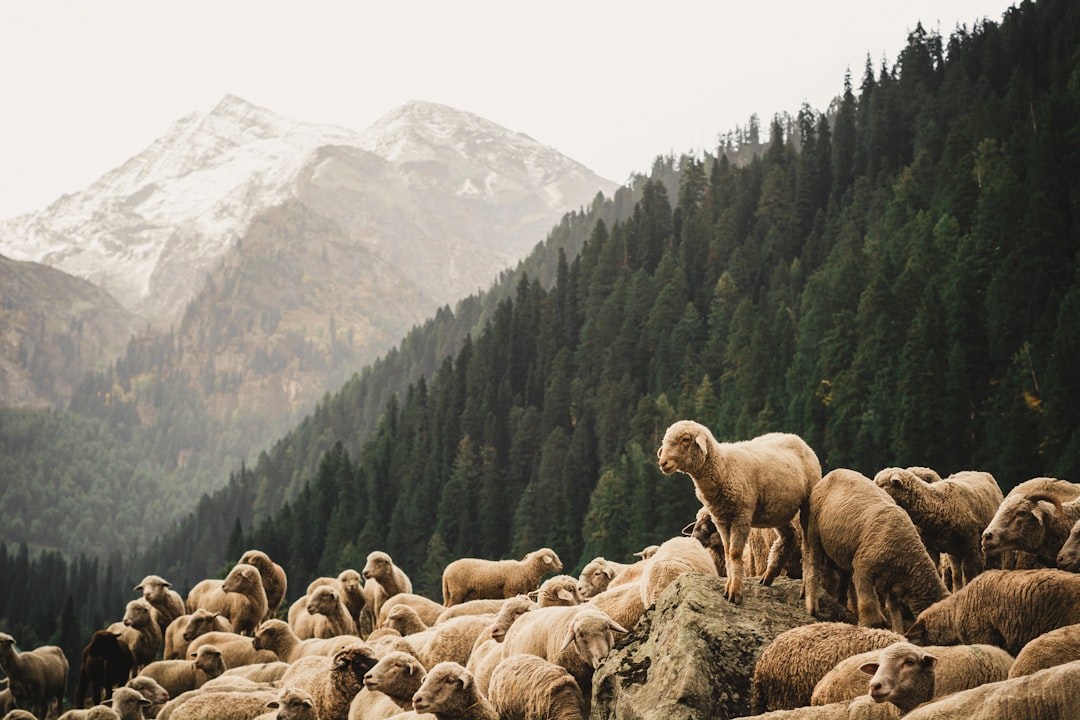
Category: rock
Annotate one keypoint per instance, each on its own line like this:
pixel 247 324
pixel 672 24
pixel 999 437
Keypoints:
pixel 692 654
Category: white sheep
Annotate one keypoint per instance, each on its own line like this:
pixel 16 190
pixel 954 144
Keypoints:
pixel 325 616
pixel 37 677
pixel 274 581
pixel 622 603
pixel 950 514
pixel 1051 648
pixel 265 672
pixel 389 687
pixel 128 703
pixel 236 650
pixel 489 648
pixel 857 527
pixel 763 482
pixel 597 575
pixel 277 637
pixel 557 590
pixel 428 610
pixel 674 557
pixel 151 690
pixel 234 703
pixel 792 664
pixel 1026 520
pixel 475 578
pixel 332 682
pixel 140 632
pixel 291 704
pixel 1007 608
pixel 527 687
pixel 1050 694
pixel 350 585
pixel 167 603
pixel 240 597
pixel 178 676
pixel 184 629
pixel 383 579
pixel 450 693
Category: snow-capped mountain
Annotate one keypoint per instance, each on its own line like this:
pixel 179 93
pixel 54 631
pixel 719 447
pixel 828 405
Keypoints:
pixel 441 195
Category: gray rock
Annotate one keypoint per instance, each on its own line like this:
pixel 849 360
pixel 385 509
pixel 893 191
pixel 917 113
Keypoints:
pixel 692 654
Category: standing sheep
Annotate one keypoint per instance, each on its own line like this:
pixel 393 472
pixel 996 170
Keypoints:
pixel 350 585
pixel 1049 649
pixel 449 693
pixel 675 556
pixel 1007 608
pixel 477 579
pixel 277 637
pixel 527 687
pixel 106 663
pixel 1026 520
pixel 332 682
pixel 856 526
pixel 428 610
pixel 273 578
pixel 140 632
pixel 763 482
pixel 386 579
pixel 388 687
pixel 36 678
pixel 179 676
pixel 950 514
pixel 167 603
pixel 324 616
pixel 240 597
pixel 184 629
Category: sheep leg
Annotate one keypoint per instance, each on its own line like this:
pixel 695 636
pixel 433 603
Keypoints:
pixel 896 616
pixel 734 543
pixel 869 605
pixel 781 552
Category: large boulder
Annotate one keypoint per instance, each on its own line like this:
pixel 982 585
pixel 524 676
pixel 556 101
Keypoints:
pixel 692 654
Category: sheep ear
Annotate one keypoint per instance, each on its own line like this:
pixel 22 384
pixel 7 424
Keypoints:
pixel 567 641
pixel 609 571
pixel 616 627
pixel 166 583
pixel 532 594
pixel 273 704
pixel 566 594
pixel 916 631
pixel 466 680
pixel 689 529
pixel 870 668
pixel 702 443
pixel 144 702
pixel 929 662
pixel 548 560
pixel 137 588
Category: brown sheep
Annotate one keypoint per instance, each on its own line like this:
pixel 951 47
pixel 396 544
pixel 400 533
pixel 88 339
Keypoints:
pixel 240 597
pixel 273 577
pixel 475 579
pixel 36 677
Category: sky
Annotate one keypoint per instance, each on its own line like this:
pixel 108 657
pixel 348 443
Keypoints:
pixel 610 83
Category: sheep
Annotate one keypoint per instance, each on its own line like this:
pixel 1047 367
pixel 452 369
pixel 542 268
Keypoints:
pixel 140 632
pixel 273 579
pixel 167 603
pixel 383 579
pixel 1051 648
pixel 240 597
pixel 277 637
pixel 36 677
pixel 184 629
pixel 763 482
pixel 98 712
pixel 676 556
pixel 959 667
pixel 18 714
pixel 7 702
pixel 106 663
pixel 266 672
pixel 236 703
pixel 474 578
pixel 332 682
pixel 151 690
pixel 1050 694
pixel 450 640
pixel 527 687
pixel 622 603
pixel 857 527
pixel 759 544
pixel 389 687
pixel 236 650
pixel 326 616
pixel 450 693
pixel 178 676
pixel 1026 520
pixel 428 610
pixel 597 575
pixel 557 590
pixel 1007 608
pixel 950 514
pixel 128 703
pixel 405 620
pixel 792 664
pixel 350 585
pixel 1068 557
pixel 488 649
pixel 291 704
pixel 487 606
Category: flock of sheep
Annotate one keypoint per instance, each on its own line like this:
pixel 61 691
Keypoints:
pixel 943 631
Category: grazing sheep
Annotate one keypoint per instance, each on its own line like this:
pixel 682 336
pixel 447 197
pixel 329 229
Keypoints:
pixel 793 663
pixel 675 556
pixel 1068 558
pixel 856 526
pixel 36 678
pixel 763 482
pixel 597 575
pixel 106 663
pixel 1029 520
pixel 527 687
pixel 236 650
pixel 958 667
pixel 291 704
pixel 140 632
pixel 622 603
pixel 557 590
pixel 350 585
pixel 1007 608
pixel 383 579
pixel 240 597
pixel 277 637
pixel 476 579
pixel 428 610
pixel 449 693
pixel 273 579
pixel 1051 648
pixel 237 703
pixel 388 687
pixel 488 606
pixel 1050 694
pixel 167 603
pixel 326 616
pixel 179 676
pixel 332 682
pixel 950 514
pixel 184 629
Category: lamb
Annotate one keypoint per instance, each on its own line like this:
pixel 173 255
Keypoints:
pixel 622 603
pixel 184 629
pixel 527 687
pixel 1029 519
pixel 277 637
pixel 236 650
pixel 1007 608
pixel 1050 694
pixel 37 677
pixel 326 616
pixel 179 676
pixel 474 578
pixel 763 482
pixel 597 575
pixel 449 693
pixel 958 667
pixel 1052 648
pixel 332 682
pixel 856 526
pixel 240 597
pixel 793 663
pixel 273 579
pixel 950 514
pixel 351 588
pixel 140 632
pixel 428 610
pixel 676 556
pixel 385 578
pixel 389 687
pixel 291 704
pixel 167 603
pixel 1068 558
pixel 106 663
pixel 557 590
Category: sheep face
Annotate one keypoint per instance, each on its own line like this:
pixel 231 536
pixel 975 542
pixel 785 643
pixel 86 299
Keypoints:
pixel 240 578
pixel 443 689
pixel 153 588
pixel 391 668
pixel 592 635
pixel 208 659
pixel 685 447
pixel 1018 525
pixel 351 581
pixel 127 702
pixel 323 601
pixel 511 610
pixel 201 621
pixel 903 675
pixel 138 614
pixel 293 703
pixel 595 578
pixel 378 566
pixel 1068 557
pixel 268 633
pixel 150 689
pixel 7 644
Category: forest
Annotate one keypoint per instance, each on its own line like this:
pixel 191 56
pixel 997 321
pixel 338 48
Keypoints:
pixel 894 279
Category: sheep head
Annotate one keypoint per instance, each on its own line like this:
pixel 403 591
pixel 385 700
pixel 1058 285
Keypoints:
pixel 1068 558
pixel 391 666
pixel 443 689
pixel 1020 524
pixel 903 675
pixel 241 578
pixel 292 703
pixel 153 588
pixel 379 565
pixel 685 447
pixel 137 614
pixel 591 634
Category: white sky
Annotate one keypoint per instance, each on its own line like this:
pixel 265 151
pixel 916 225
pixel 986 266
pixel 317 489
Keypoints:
pixel 611 83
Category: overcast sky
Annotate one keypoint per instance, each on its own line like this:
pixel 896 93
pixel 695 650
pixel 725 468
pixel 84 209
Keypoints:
pixel 612 83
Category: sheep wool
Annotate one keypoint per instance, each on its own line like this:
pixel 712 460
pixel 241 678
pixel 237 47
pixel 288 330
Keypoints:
pixel 527 687
pixel 675 556
pixel 291 704
pixel 332 682
pixel 36 677
pixel 476 579
pixel 1052 648
pixel 449 693
pixel 275 583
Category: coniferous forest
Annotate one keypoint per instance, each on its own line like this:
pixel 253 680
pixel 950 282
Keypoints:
pixel 893 278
